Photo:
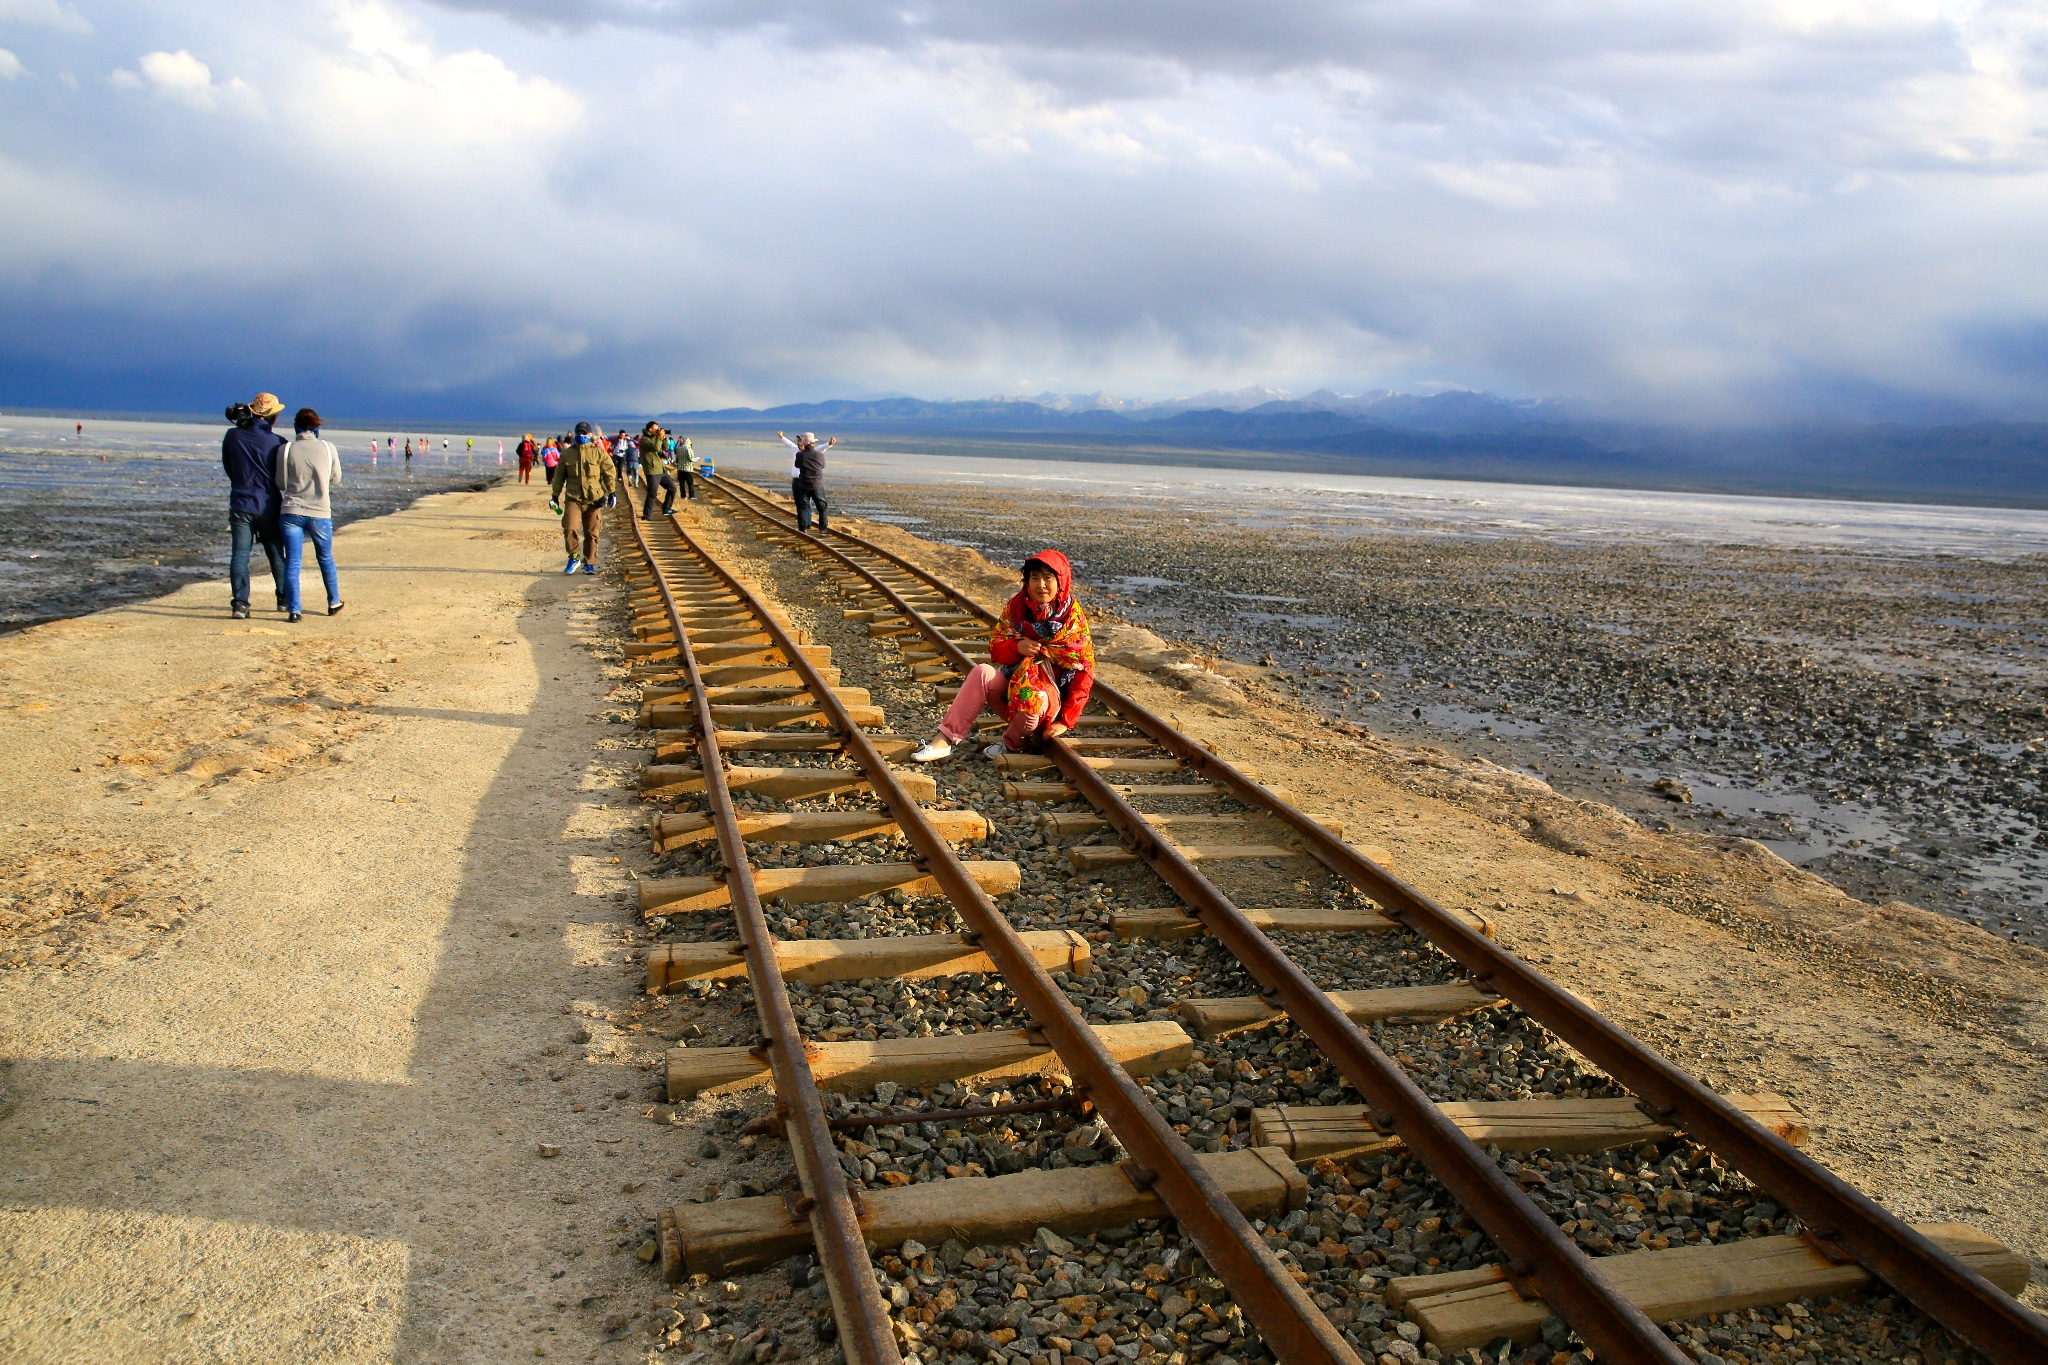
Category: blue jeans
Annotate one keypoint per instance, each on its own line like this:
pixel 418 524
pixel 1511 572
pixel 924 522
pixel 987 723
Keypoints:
pixel 809 500
pixel 321 529
pixel 245 532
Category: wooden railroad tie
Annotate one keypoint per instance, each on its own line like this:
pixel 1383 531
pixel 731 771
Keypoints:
pixel 1466 1308
pixel 784 784
pixel 749 694
pixel 736 1236
pixel 1076 824
pixel 673 745
pixel 811 826
pixel 1060 791
pixel 906 957
pixel 1393 1005
pixel 753 654
pixel 998 1054
pixel 1309 1132
pixel 682 715
pixel 806 885
pixel 1174 922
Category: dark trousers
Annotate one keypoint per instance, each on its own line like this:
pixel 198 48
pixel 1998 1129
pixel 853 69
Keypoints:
pixel 245 532
pixel 666 486
pixel 809 499
pixel 689 483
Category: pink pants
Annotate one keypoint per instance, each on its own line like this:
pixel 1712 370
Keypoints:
pixel 985 686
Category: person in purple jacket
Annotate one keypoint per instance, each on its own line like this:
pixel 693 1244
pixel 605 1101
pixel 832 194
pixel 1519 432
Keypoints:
pixel 248 453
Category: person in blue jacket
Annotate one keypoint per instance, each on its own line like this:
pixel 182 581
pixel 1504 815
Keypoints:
pixel 249 455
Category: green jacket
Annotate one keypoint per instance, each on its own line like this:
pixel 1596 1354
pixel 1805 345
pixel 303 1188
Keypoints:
pixel 586 475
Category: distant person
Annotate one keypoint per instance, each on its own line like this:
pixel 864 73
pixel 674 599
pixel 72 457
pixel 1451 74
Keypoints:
pixel 527 451
pixel 619 445
pixel 78 428
pixel 660 478
pixel 408 454
pixel 807 478
pixel 632 475
pixel 247 453
pixel 1041 669
pixel 550 456
pixel 689 464
pixel 582 484
pixel 307 468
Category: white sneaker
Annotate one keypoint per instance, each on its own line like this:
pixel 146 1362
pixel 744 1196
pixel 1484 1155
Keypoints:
pixel 931 751
pixel 995 751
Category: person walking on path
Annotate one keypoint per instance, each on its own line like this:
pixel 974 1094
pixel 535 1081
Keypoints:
pixel 526 454
pixel 246 454
pixel 660 479
pixel 1041 669
pixel 583 483
pixel 550 457
pixel 807 482
pixel 307 468
pixel 689 464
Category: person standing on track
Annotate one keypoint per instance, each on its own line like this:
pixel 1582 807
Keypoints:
pixel 807 479
pixel 582 484
pixel 689 464
pixel 247 454
pixel 307 469
pixel 1041 671
pixel 660 479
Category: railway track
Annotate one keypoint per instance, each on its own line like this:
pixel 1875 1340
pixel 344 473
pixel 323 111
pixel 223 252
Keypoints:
pixel 1085 1118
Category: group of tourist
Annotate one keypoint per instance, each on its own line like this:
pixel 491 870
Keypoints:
pixel 1041 665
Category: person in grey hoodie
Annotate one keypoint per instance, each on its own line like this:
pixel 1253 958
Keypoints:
pixel 307 467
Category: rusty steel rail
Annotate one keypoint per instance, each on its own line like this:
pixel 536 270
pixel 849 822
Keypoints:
pixel 1836 1213
pixel 865 1333
pixel 1293 1328
pixel 1541 1258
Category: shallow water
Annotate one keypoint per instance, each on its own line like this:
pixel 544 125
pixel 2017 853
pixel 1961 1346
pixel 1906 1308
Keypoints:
pixel 1366 504
pixel 128 510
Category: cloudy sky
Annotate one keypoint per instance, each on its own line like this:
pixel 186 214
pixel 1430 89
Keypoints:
pixel 1697 208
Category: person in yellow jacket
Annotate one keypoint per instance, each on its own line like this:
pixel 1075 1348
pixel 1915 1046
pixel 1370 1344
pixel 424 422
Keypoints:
pixel 583 484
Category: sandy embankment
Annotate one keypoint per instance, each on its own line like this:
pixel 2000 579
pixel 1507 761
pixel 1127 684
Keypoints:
pixel 302 923
pixel 1912 1040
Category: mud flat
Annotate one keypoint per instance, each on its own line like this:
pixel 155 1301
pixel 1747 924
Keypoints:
pixel 1911 1037
pixel 1876 718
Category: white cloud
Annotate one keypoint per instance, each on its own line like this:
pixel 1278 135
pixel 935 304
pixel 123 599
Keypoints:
pixel 10 65
pixel 44 14
pixel 183 79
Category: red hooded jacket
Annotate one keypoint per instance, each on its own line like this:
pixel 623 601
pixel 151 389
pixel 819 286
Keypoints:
pixel 1067 661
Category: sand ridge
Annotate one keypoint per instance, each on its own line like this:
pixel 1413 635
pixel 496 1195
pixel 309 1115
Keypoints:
pixel 298 921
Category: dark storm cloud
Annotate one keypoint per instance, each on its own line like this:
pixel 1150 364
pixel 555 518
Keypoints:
pixel 1696 207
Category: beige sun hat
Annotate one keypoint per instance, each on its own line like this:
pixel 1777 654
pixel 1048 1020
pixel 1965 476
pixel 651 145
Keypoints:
pixel 265 405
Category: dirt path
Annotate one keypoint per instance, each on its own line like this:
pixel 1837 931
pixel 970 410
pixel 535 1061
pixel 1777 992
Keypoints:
pixel 1913 1041
pixel 305 927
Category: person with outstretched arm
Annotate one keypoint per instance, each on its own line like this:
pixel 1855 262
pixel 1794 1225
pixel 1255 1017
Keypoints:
pixel 807 478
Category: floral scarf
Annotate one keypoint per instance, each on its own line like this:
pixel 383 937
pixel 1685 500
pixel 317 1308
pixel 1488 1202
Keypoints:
pixel 1061 627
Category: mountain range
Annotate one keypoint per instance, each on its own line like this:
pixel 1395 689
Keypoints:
pixel 1456 434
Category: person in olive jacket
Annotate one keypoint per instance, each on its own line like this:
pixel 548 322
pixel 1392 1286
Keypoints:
pixel 581 485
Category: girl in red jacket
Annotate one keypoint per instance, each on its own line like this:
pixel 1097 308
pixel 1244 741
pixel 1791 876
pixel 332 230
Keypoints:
pixel 1042 671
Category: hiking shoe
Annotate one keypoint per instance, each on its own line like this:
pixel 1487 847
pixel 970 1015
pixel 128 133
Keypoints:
pixel 335 610
pixel 996 750
pixel 293 617
pixel 570 567
pixel 239 613
pixel 590 568
pixel 932 750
